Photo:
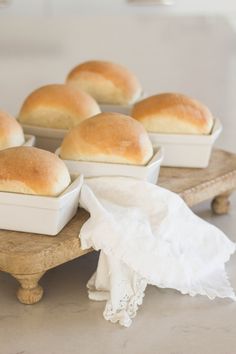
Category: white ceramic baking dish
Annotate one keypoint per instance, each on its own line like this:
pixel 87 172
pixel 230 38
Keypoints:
pixel 46 138
pixel 127 109
pixel 38 214
pixel 149 172
pixel 116 108
pixel 187 150
pixel 29 140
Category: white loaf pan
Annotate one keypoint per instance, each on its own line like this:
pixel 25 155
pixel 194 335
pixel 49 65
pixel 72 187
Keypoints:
pixel 116 108
pixel 149 172
pixel 46 138
pixel 127 109
pixel 187 150
pixel 29 140
pixel 38 214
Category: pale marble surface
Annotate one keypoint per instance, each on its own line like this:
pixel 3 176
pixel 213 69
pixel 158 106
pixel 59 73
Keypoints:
pixel 192 55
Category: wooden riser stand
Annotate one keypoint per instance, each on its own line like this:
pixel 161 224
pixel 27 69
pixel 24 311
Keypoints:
pixel 28 256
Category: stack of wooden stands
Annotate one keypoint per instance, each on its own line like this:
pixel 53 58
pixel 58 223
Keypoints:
pixel 28 256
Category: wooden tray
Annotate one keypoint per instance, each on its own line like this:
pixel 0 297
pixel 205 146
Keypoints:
pixel 195 185
pixel 28 256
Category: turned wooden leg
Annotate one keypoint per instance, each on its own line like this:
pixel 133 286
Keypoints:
pixel 221 204
pixel 29 291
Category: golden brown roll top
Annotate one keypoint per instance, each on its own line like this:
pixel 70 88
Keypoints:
pixel 29 170
pixel 11 133
pixel 107 82
pixel 57 106
pixel 108 137
pixel 173 113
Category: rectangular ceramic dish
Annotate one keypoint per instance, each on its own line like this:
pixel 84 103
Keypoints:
pixel 116 108
pixel 29 140
pixel 38 214
pixel 149 172
pixel 127 109
pixel 46 138
pixel 187 150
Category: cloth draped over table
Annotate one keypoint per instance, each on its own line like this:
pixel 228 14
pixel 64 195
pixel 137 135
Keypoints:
pixel 148 235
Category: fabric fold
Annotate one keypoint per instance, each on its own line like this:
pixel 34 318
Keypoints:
pixel 148 235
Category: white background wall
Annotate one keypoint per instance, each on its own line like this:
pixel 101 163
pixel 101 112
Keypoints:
pixel 76 7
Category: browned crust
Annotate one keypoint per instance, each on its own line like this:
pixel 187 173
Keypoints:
pixel 108 134
pixel 9 126
pixel 176 105
pixel 60 96
pixel 120 76
pixel 38 169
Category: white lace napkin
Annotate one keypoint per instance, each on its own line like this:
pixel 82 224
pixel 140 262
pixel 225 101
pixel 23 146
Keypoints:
pixel 147 235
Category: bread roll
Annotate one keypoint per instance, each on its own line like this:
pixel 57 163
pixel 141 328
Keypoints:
pixel 57 106
pixel 108 137
pixel 173 113
pixel 29 170
pixel 107 82
pixel 11 133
